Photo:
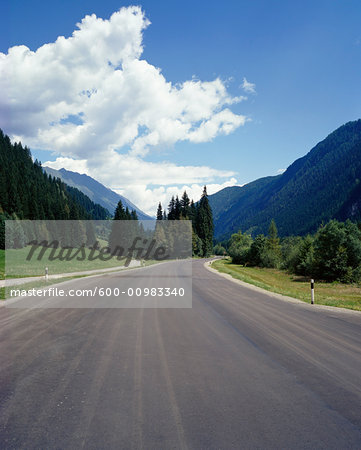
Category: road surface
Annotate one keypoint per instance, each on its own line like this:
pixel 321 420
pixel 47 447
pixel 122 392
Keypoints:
pixel 240 369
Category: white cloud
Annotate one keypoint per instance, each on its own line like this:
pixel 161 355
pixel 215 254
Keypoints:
pixel 145 183
pixel 279 171
pixel 163 194
pixel 89 95
pixel 248 87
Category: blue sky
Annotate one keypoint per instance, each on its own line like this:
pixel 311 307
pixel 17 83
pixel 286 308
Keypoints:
pixel 303 57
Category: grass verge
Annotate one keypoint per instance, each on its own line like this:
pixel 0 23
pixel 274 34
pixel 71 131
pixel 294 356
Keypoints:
pixel 38 284
pixel 2 264
pixel 330 294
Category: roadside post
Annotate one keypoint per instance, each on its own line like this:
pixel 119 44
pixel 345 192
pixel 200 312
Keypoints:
pixel 312 291
pixel 46 274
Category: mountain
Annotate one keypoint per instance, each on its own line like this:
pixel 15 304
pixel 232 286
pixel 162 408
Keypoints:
pixel 322 185
pixel 96 191
pixel 27 192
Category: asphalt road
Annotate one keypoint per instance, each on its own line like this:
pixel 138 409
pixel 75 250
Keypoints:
pixel 240 369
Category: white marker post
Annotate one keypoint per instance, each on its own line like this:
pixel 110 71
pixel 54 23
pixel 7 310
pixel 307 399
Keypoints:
pixel 312 291
pixel 46 274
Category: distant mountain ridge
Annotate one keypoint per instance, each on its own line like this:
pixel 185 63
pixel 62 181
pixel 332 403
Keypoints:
pixel 321 185
pixel 96 191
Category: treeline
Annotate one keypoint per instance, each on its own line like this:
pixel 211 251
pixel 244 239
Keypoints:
pixel 331 254
pixel 27 192
pixel 164 239
pixel 201 216
pixel 121 234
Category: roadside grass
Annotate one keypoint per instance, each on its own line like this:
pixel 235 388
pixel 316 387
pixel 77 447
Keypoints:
pixel 18 266
pixel 41 283
pixel 2 264
pixel 330 294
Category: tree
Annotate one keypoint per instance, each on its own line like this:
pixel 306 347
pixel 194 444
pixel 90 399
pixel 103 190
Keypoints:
pixel 117 234
pixel 171 209
pixel 239 247
pixel 204 224
pixel 338 252
pixel 271 255
pixel 254 256
pixel 127 214
pixel 304 263
pixel 17 235
pixel 119 213
pixel 177 208
pixel 159 212
pixel 196 245
pixel 192 213
pixel 219 250
pixel 185 204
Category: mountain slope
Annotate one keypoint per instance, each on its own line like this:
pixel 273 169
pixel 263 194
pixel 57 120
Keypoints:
pixel 317 187
pixel 96 191
pixel 27 192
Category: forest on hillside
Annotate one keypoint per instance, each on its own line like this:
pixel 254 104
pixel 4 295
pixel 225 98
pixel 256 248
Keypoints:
pixel 27 192
pixel 333 253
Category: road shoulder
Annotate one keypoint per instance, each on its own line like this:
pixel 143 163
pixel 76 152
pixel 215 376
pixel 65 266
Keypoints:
pixel 284 298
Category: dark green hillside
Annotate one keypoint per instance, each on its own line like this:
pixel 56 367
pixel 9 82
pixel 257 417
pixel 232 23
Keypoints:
pixel 227 203
pixel 94 210
pixel 27 192
pixel 97 192
pixel 322 185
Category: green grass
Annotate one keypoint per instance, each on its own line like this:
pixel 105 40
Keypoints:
pixel 331 294
pixel 5 291
pixel 2 264
pixel 18 266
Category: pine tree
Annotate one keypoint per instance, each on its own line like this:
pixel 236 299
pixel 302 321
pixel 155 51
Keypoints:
pixel 119 213
pixel 127 214
pixel 185 204
pixel 177 208
pixel 116 234
pixel 192 214
pixel 273 239
pixel 171 209
pixel 204 224
pixel 159 212
pixel 271 256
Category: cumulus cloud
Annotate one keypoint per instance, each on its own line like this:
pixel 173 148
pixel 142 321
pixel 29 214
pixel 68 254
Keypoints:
pixel 147 183
pixel 91 99
pixel 248 87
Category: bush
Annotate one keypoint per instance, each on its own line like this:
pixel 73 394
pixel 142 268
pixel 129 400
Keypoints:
pixel 219 250
pixel 289 251
pixel 271 255
pixel 254 257
pixel 304 263
pixel 196 245
pixel 338 252
pixel 270 258
pixel 239 246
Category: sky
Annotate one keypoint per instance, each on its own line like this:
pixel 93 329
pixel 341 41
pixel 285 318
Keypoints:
pixel 154 97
